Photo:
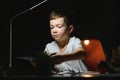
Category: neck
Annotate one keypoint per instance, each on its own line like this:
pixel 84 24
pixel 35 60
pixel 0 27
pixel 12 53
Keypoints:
pixel 64 43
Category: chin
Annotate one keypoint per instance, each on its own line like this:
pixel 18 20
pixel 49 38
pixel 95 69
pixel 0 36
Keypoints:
pixel 57 39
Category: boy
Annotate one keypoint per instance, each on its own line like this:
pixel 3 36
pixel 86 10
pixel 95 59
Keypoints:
pixel 66 51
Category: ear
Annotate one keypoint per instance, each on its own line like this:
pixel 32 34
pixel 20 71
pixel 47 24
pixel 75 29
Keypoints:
pixel 71 28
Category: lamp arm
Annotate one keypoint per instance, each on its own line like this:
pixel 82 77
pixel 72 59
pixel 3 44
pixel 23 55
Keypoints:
pixel 11 29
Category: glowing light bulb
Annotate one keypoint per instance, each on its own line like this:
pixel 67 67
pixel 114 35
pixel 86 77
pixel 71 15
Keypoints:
pixel 86 42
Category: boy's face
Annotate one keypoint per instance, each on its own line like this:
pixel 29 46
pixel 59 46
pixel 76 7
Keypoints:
pixel 59 30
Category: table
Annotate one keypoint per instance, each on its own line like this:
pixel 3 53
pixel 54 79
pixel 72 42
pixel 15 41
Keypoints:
pixel 80 76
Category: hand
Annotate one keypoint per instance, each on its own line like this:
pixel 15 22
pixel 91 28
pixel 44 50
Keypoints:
pixel 34 63
pixel 56 58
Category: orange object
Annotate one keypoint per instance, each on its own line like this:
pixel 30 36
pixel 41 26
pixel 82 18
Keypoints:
pixel 94 53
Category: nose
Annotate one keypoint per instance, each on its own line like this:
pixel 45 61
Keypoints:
pixel 54 30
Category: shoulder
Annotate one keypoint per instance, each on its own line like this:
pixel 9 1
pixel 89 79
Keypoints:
pixel 51 47
pixel 75 39
pixel 75 42
pixel 53 43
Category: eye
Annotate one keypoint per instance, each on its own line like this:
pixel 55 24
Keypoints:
pixel 59 26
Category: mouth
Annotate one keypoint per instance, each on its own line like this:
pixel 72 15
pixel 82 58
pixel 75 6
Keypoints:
pixel 55 36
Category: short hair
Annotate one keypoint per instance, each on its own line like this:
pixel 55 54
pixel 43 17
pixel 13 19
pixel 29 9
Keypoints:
pixel 65 13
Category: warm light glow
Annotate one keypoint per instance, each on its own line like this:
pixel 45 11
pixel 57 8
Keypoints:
pixel 86 42
pixel 90 74
pixel 87 75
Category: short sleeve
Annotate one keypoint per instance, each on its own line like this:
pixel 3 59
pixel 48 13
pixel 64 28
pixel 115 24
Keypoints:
pixel 51 48
pixel 76 42
pixel 47 50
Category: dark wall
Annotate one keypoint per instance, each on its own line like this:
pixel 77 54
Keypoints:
pixel 31 29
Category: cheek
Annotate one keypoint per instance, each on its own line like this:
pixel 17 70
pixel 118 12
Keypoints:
pixel 62 31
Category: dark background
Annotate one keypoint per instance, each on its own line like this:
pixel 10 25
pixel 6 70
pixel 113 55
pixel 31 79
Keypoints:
pixel 96 19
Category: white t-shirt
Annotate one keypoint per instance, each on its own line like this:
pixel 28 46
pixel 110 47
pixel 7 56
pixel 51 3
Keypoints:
pixel 73 65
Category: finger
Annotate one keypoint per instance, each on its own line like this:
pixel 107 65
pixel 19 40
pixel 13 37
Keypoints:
pixel 52 54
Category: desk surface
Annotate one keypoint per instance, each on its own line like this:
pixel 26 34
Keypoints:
pixel 84 76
